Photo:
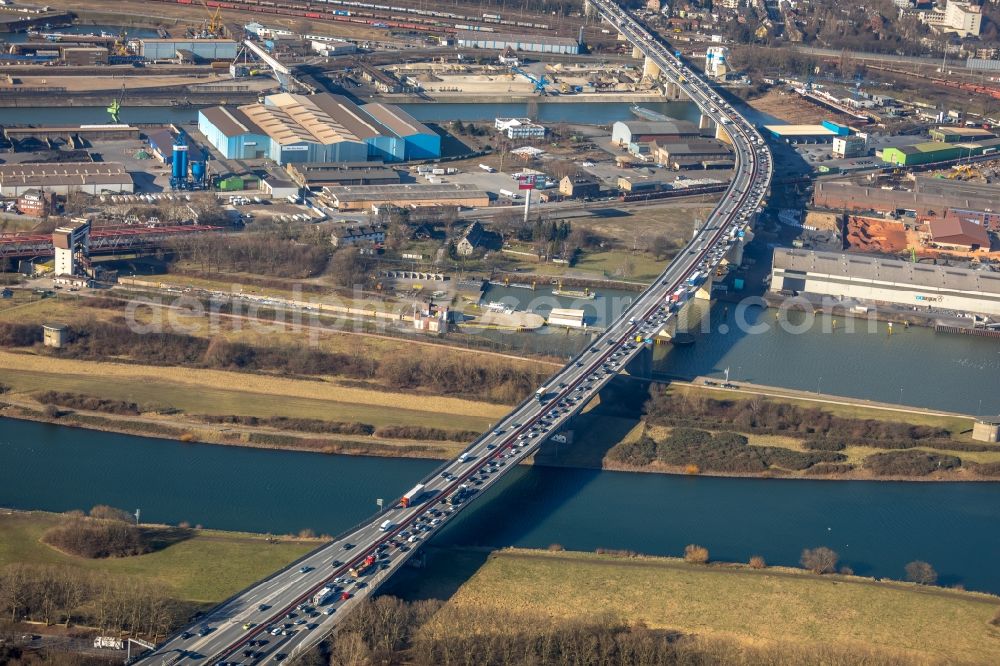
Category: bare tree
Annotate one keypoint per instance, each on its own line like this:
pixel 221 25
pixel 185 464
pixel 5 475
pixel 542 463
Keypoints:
pixel 921 572
pixel 819 560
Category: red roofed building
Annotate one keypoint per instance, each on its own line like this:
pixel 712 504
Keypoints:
pixel 958 233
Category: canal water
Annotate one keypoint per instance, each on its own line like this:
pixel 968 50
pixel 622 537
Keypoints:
pixel 131 33
pixel 596 113
pixel 876 527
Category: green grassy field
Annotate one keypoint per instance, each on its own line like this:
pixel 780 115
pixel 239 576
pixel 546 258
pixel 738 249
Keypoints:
pixel 206 568
pixel 756 607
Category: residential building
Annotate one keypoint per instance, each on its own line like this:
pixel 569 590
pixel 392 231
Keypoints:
pixel 346 236
pixel 579 187
pixel 962 18
pixel 477 237
pixel 520 128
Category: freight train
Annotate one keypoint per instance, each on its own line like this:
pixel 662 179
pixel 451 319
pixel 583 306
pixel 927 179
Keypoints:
pixel 369 14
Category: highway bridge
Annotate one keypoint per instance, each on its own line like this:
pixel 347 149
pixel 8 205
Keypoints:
pixel 280 617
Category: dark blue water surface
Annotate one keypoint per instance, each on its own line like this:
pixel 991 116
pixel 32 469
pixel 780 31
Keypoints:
pixel 877 527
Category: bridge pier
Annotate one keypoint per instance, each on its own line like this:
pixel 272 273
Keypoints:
pixel 641 366
pixel 650 70
pixel 705 123
pixel 722 135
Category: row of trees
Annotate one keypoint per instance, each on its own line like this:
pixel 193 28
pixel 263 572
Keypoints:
pixel 264 253
pixel 436 371
pixel 822 429
pixel 113 604
pixel 700 450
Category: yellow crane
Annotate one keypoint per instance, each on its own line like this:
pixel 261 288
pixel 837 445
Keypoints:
pixel 215 25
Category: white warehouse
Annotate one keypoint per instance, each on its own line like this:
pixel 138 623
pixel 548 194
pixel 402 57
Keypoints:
pixel 876 280
pixel 471 39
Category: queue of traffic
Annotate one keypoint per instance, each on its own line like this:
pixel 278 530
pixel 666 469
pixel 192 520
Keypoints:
pixel 284 614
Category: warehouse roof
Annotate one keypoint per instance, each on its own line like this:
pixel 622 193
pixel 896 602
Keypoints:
pixel 799 130
pixel 47 175
pixel 231 122
pixel 970 132
pixel 404 191
pixel 877 269
pixel 397 120
pixel 476 36
pixel 704 147
pixel 277 124
pixel 660 127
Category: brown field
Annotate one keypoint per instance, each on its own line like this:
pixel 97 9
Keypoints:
pixel 193 390
pixel 765 607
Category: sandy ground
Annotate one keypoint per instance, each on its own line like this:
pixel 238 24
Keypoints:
pixel 791 108
pixel 867 234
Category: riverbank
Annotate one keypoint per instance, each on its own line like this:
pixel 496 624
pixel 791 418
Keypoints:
pixel 196 566
pixel 773 607
pixel 328 416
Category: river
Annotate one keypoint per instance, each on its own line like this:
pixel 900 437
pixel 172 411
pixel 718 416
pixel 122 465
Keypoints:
pixel 877 527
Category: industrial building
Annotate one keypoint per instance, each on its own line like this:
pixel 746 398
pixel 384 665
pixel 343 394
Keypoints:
pixel 958 233
pixel 627 132
pixel 852 145
pixel 35 203
pixel 161 144
pixel 318 128
pixel 717 61
pixel 328 47
pixel 959 134
pixel 571 318
pixel 471 39
pixel 322 174
pixel 232 133
pixel 687 154
pixel 929 196
pixel 203 49
pixel 69 133
pixel 65 177
pixel 927 152
pixel 363 197
pixel 641 184
pixel 823 132
pixel 71 242
pixel 876 280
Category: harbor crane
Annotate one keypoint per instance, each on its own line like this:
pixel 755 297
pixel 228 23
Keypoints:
pixel 540 83
pixel 116 106
pixel 214 26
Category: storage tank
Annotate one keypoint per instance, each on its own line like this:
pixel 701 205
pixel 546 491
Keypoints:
pixel 198 172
